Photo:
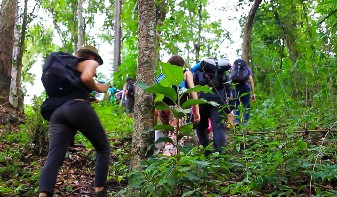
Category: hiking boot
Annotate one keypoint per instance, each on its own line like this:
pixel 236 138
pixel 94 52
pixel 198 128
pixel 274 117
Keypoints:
pixel 103 193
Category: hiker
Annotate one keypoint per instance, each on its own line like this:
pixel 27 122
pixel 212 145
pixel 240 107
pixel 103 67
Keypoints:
pixel 74 114
pixel 130 96
pixel 211 72
pixel 166 116
pixel 243 89
pixel 122 96
pixel 111 93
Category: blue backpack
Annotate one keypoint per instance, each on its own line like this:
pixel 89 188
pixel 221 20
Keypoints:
pixel 59 74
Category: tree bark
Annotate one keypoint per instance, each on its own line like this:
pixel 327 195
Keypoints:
pixel 118 35
pixel 198 43
pixel 142 137
pixel 248 30
pixel 21 49
pixel 7 24
pixel 80 28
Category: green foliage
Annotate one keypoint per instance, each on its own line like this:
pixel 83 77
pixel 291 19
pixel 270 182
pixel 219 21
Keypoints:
pixel 179 175
pixel 166 87
pixel 36 126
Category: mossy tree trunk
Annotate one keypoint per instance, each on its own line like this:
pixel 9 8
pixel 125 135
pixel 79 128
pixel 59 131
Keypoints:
pixel 147 56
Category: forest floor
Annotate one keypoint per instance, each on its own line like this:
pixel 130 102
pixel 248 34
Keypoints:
pixel 76 175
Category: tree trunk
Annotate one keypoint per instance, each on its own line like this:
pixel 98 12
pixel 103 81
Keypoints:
pixel 198 43
pixel 118 35
pixel 147 55
pixel 19 59
pixel 7 24
pixel 160 17
pixel 248 30
pixel 80 29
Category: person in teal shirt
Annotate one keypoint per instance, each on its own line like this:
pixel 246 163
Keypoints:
pixel 111 93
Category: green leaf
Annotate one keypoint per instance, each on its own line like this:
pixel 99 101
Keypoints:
pixel 192 176
pixel 179 112
pixel 187 104
pixel 302 145
pixel 160 105
pixel 159 89
pixel 174 74
pixel 137 179
pixel 164 127
pixel 164 139
pixel 186 129
pixel 199 88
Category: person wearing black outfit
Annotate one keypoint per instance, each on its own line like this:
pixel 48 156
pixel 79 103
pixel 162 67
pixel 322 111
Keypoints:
pixel 73 115
pixel 204 75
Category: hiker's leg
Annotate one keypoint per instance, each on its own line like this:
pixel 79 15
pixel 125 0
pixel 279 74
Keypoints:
pixel 60 137
pixel 84 118
pixel 218 129
pixel 245 99
pixel 202 126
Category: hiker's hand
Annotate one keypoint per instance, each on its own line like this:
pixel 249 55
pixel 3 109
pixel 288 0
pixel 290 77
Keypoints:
pixel 253 97
pixel 196 117
pixel 102 87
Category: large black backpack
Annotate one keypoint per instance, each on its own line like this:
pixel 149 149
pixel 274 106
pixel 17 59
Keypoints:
pixel 212 73
pixel 240 72
pixel 59 74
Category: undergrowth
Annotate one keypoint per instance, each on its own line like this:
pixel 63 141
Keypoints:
pixel 283 163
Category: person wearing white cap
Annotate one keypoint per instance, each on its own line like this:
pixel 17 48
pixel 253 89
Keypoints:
pixel 76 114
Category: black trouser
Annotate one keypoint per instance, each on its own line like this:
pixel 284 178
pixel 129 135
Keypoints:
pixel 65 121
pixel 215 115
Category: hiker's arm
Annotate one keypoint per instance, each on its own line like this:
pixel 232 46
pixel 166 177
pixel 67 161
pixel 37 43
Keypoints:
pixel 251 81
pixel 194 95
pixel 118 93
pixel 88 71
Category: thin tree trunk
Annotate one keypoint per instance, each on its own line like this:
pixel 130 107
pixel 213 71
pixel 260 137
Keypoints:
pixel 147 57
pixel 160 17
pixel 118 35
pixel 7 24
pixel 248 30
pixel 197 44
pixel 80 29
pixel 19 58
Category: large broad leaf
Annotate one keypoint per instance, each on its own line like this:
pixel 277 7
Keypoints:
pixel 187 104
pixel 199 88
pixel 159 89
pixel 174 74
pixel 164 127
pixel 160 105
pixel 179 112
